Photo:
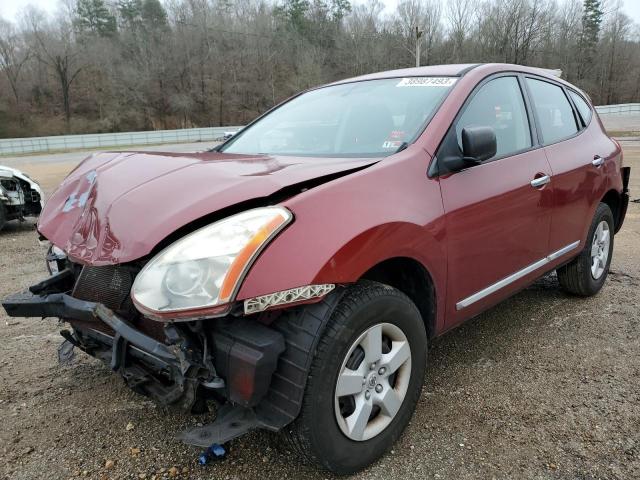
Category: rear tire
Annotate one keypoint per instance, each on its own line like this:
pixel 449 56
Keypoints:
pixel 321 434
pixel 585 274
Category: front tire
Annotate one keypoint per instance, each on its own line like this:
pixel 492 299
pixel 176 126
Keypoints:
pixel 364 382
pixel 585 275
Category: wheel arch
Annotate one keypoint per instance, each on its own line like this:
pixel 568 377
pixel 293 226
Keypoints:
pixel 414 280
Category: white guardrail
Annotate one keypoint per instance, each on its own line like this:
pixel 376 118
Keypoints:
pixel 622 109
pixel 16 146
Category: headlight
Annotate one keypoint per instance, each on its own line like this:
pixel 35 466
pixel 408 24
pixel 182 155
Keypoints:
pixel 199 274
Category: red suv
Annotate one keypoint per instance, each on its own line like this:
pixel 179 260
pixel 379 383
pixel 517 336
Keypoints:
pixel 295 274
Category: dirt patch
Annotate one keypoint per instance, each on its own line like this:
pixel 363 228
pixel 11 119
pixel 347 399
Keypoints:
pixel 542 386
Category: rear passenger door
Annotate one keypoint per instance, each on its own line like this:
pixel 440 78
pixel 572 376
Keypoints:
pixel 574 154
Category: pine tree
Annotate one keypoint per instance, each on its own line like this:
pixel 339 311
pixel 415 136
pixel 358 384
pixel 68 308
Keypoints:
pixel 154 15
pixel 339 8
pixel 93 17
pixel 130 13
pixel 591 20
pixel 295 11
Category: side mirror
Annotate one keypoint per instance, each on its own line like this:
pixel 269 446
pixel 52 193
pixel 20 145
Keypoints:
pixel 478 144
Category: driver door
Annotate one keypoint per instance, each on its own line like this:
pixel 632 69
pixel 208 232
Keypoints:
pixel 497 221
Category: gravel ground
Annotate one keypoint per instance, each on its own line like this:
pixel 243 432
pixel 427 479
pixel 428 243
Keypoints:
pixel 543 386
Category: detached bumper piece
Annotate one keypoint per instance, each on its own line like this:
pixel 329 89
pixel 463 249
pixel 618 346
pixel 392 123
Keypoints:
pixel 231 422
pixel 141 360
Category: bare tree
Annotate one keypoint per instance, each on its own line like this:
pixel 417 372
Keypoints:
pixel 460 15
pixel 14 54
pixel 117 65
pixel 54 45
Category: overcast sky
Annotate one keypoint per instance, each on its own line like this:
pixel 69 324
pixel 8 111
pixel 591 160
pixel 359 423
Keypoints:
pixel 9 8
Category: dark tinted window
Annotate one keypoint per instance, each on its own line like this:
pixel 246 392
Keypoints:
pixel 553 109
pixel 582 106
pixel 499 105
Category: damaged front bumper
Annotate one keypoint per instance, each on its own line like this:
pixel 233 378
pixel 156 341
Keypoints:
pixel 230 362
pixel 19 195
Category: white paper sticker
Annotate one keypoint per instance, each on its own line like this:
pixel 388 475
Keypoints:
pixel 392 144
pixel 427 82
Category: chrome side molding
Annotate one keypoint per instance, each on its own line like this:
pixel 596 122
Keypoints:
pixel 515 276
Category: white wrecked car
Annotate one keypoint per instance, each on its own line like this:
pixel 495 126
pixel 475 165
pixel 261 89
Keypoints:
pixel 20 196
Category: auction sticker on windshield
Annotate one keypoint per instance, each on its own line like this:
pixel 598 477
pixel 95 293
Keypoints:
pixel 426 82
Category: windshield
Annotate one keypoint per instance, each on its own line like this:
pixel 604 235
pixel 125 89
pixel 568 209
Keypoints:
pixel 368 118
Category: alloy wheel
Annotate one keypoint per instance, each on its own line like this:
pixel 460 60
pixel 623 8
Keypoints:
pixel 372 382
pixel 600 249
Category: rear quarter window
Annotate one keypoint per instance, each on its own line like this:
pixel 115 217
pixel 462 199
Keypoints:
pixel 553 110
pixel 583 107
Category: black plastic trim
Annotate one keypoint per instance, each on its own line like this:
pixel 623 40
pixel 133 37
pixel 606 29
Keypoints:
pixel 591 109
pixel 61 305
pixel 624 198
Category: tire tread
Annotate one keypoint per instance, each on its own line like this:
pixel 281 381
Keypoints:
pixel 298 433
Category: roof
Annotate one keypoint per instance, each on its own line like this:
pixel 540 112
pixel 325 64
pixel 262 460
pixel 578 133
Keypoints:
pixel 455 70
pixel 452 70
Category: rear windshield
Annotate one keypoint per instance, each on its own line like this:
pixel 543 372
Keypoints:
pixel 368 118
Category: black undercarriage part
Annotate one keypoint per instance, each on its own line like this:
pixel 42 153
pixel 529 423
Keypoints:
pixel 231 422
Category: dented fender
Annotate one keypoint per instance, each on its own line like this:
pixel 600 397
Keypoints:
pixel 368 224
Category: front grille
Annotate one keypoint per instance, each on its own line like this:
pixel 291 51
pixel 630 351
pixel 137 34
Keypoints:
pixel 109 285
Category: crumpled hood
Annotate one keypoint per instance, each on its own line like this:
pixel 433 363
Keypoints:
pixel 116 207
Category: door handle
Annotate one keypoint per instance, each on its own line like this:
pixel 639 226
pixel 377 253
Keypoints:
pixel 540 181
pixel 597 161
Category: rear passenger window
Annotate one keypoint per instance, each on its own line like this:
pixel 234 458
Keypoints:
pixel 499 105
pixel 553 110
pixel 582 106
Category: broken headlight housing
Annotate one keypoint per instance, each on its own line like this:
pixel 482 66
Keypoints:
pixel 199 275
pixel 56 259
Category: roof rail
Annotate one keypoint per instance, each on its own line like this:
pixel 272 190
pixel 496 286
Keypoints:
pixel 556 72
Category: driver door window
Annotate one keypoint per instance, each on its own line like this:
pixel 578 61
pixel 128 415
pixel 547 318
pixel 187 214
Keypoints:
pixel 499 105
